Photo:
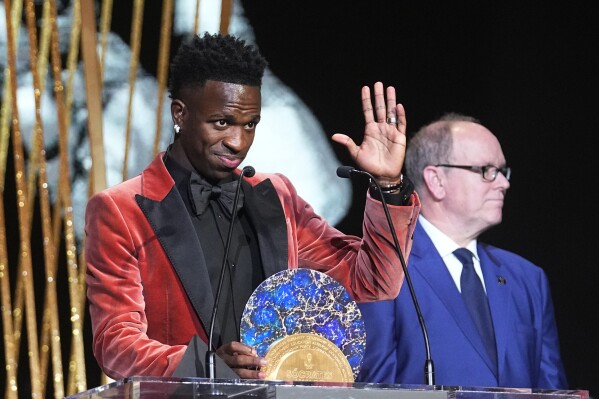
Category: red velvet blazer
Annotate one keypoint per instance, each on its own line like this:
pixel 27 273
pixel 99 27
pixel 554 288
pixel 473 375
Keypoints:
pixel 147 284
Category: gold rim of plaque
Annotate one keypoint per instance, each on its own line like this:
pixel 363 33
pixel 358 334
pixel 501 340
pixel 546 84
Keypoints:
pixel 307 357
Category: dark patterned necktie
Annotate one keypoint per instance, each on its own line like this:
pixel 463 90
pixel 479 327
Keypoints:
pixel 202 192
pixel 476 301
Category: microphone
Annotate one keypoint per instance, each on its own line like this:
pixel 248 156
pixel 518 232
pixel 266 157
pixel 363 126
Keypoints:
pixel 349 172
pixel 247 171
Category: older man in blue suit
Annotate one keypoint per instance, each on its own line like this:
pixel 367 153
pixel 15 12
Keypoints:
pixel 459 170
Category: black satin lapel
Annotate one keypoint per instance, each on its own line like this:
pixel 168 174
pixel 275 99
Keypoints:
pixel 265 211
pixel 175 232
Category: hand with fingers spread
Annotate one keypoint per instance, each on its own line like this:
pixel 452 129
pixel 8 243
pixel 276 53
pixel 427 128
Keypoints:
pixel 383 147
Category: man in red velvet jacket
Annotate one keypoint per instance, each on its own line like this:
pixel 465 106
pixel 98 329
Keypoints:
pixel 155 243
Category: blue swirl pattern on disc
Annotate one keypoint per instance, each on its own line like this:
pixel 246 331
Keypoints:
pixel 304 301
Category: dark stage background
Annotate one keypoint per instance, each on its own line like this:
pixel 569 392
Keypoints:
pixel 529 72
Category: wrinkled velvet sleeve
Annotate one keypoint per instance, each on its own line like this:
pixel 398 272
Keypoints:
pixel 116 296
pixel 368 267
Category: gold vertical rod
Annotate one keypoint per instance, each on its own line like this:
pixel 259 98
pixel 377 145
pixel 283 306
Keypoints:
pixel 105 20
pixel 65 194
pixel 226 11
pixel 50 315
pixel 136 26
pixel 49 252
pixel 11 334
pixel 15 16
pixel 163 61
pixel 196 25
pixel 72 58
pixel 93 89
pixel 41 70
pixel 24 218
pixel 77 377
pixel 11 391
pixel 44 42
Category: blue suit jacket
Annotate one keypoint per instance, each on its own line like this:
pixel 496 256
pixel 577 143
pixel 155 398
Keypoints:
pixel 523 318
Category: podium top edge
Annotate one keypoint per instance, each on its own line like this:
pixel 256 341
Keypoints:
pixel 174 387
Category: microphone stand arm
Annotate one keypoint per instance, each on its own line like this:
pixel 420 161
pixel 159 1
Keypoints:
pixel 428 365
pixel 211 353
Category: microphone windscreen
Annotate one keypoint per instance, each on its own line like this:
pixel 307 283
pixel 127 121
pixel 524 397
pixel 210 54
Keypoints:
pixel 345 171
pixel 249 171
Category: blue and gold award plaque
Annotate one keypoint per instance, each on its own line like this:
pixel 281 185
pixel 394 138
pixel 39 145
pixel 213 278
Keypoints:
pixel 307 326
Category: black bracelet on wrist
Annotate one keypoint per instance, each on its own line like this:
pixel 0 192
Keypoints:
pixel 397 194
pixel 392 189
pixel 386 189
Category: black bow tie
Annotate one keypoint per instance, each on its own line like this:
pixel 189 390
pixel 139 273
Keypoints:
pixel 202 192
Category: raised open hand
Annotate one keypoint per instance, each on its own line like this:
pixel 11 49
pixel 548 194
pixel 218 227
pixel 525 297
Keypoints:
pixel 383 147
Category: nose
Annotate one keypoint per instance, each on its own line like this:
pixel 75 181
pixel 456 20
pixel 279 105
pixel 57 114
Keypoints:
pixel 503 180
pixel 237 139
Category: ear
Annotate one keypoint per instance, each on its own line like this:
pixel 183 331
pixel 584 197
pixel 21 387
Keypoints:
pixel 178 111
pixel 434 180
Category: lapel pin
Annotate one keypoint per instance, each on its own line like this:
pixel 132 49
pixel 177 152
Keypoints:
pixel 501 280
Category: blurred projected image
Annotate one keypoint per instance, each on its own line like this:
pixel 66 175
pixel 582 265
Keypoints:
pixel 289 138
